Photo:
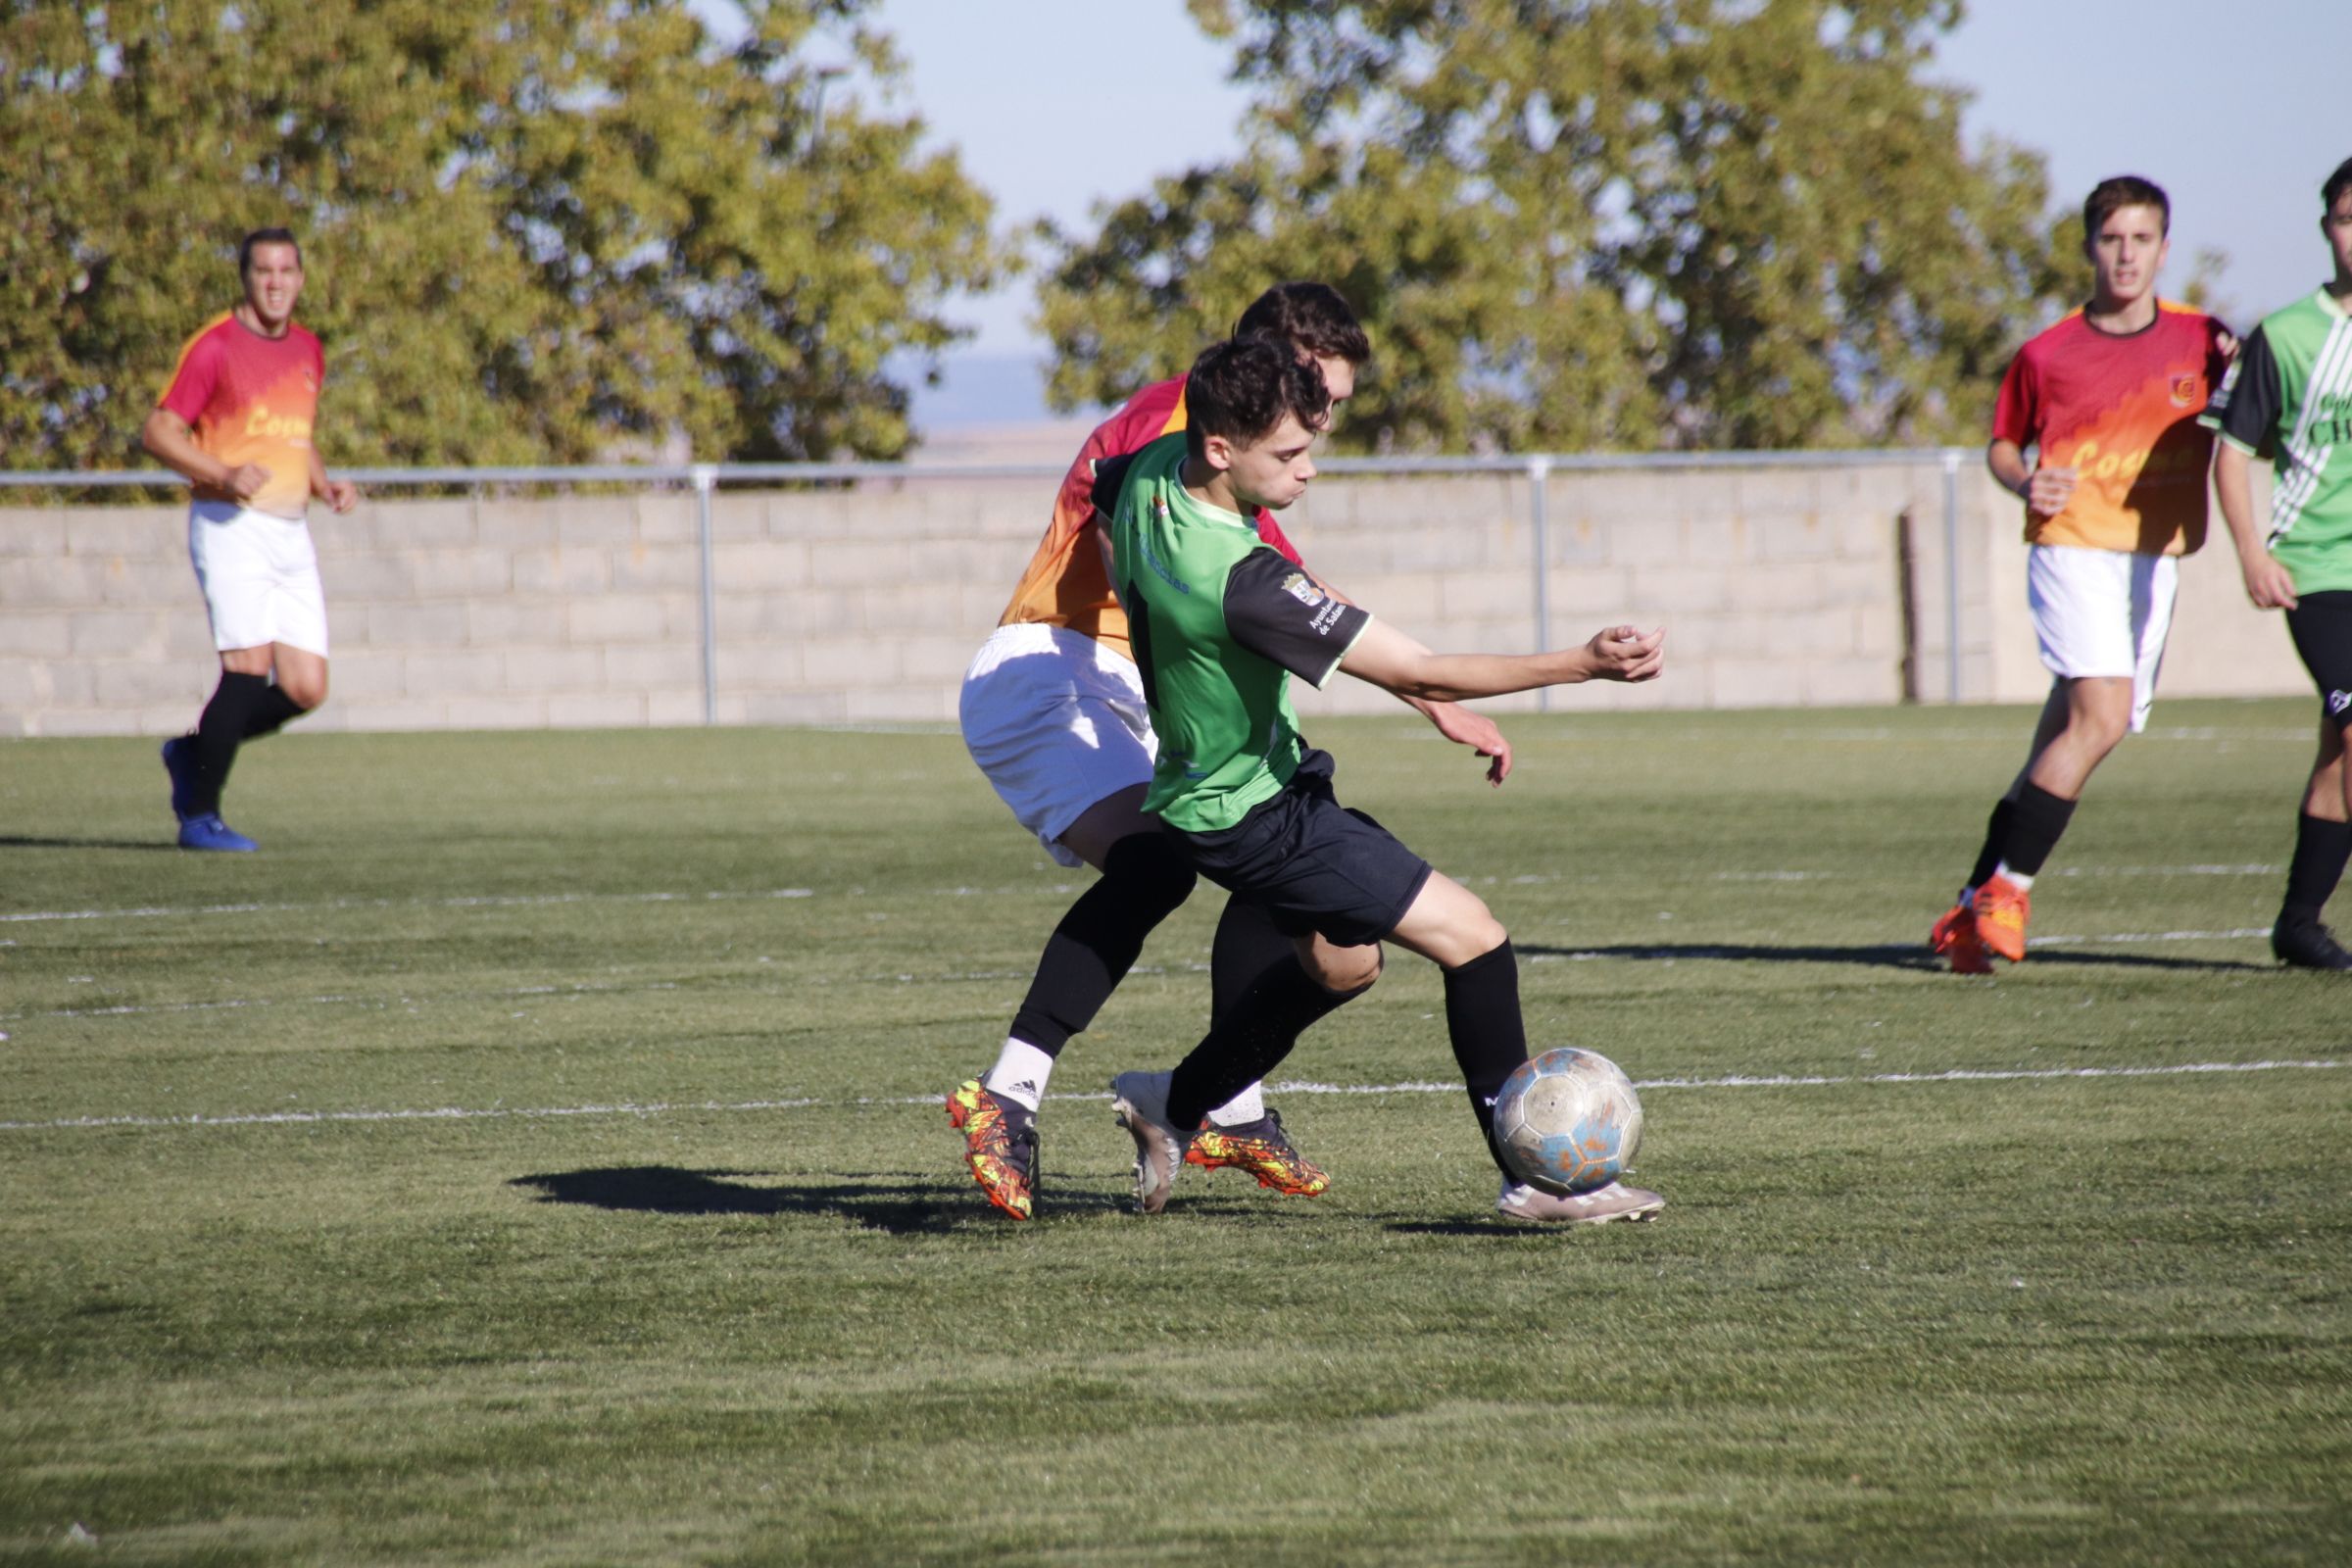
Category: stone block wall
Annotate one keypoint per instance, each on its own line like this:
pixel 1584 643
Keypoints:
pixel 1780 585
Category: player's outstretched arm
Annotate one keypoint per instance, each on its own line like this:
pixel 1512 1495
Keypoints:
pixel 1455 722
pixel 1395 662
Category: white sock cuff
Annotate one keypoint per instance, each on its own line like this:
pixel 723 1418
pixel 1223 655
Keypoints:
pixel 1247 1106
pixel 1020 1074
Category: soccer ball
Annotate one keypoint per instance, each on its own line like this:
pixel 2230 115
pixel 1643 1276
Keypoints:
pixel 1568 1121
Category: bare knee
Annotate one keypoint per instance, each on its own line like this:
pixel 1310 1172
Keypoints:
pixel 2102 733
pixel 1342 970
pixel 1450 925
pixel 306 690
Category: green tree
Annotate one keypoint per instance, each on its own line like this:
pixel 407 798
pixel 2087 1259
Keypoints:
pixel 1593 224
pixel 535 230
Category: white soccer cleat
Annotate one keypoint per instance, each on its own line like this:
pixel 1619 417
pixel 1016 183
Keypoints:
pixel 1598 1206
pixel 1141 1100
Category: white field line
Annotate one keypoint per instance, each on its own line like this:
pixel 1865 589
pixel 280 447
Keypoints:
pixel 1955 1075
pixel 583 989
pixel 2236 932
pixel 571 991
pixel 485 901
pixel 1698 950
pixel 2202 734
pixel 518 901
pixel 2087 871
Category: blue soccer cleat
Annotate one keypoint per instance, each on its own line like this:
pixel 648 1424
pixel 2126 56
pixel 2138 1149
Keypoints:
pixel 209 832
pixel 180 762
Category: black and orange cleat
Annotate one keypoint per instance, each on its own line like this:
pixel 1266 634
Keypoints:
pixel 1955 935
pixel 1262 1150
pixel 999 1143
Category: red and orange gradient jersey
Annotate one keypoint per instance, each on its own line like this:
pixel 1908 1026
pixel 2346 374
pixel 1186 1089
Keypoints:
pixel 1063 584
pixel 252 399
pixel 2121 410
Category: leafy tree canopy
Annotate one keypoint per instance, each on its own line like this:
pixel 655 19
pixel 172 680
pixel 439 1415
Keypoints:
pixel 535 230
pixel 1575 224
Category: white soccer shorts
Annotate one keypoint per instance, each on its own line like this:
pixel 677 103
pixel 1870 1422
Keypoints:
pixel 1059 723
pixel 2103 612
pixel 260 576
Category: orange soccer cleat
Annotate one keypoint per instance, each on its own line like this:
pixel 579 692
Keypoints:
pixel 1955 935
pixel 1261 1148
pixel 2002 909
pixel 999 1143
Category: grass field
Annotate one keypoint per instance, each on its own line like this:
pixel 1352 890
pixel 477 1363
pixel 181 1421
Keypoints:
pixel 534 1156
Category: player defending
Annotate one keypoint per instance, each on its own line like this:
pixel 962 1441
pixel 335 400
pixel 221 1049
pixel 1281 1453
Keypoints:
pixel 236 420
pixel 1220 619
pixel 2291 395
pixel 1053 711
pixel 2110 397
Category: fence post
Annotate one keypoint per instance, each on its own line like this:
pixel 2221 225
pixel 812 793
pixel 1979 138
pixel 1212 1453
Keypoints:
pixel 704 476
pixel 1539 470
pixel 1951 574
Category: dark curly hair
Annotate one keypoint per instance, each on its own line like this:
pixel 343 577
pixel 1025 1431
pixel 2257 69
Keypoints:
pixel 1241 388
pixel 1308 316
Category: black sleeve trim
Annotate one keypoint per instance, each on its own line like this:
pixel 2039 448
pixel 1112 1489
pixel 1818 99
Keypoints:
pixel 1279 612
pixel 1111 474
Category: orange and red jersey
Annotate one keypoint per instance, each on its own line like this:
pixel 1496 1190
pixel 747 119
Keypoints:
pixel 1063 583
pixel 252 399
pixel 2121 410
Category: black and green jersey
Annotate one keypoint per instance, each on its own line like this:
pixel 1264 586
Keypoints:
pixel 2288 397
pixel 1220 621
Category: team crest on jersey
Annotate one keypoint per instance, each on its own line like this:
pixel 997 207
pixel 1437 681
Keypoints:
pixel 2338 702
pixel 2184 391
pixel 1299 587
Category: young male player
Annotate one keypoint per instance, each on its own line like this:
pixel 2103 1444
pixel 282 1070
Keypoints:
pixel 236 419
pixel 2110 395
pixel 1053 711
pixel 1220 621
pixel 2291 395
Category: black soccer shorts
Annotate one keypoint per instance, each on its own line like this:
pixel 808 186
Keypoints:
pixel 2321 624
pixel 1311 863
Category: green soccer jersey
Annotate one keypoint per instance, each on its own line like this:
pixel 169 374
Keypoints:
pixel 1219 620
pixel 2288 396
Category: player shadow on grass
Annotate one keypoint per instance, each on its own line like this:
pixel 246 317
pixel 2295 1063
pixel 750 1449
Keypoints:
pixel 901 1203
pixel 1886 956
pixel 15 842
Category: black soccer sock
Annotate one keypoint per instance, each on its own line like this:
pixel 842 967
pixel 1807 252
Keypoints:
pixel 1490 1038
pixel 2035 829
pixel 2321 848
pixel 1248 948
pixel 1996 839
pixel 273 713
pixel 1256 1024
pixel 220 731
pixel 1145 877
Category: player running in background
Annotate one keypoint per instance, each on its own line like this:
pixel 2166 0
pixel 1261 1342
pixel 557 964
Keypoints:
pixel 236 420
pixel 1220 619
pixel 2289 396
pixel 1053 711
pixel 2110 396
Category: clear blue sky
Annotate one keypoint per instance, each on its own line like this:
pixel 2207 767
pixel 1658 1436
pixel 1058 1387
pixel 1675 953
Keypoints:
pixel 2238 111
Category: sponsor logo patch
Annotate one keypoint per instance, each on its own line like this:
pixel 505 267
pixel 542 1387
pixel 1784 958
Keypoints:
pixel 1302 588
pixel 2338 702
pixel 2184 391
